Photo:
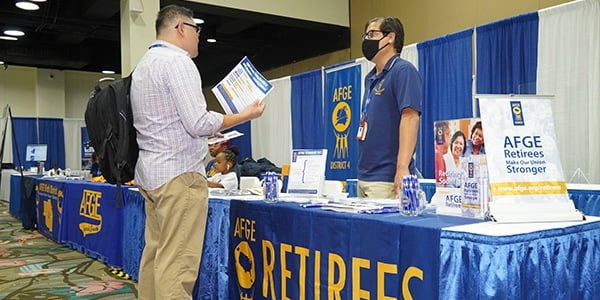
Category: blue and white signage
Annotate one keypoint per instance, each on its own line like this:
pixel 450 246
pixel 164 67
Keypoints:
pixel 525 172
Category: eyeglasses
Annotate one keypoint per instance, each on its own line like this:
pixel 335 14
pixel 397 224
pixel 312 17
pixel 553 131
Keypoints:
pixel 198 28
pixel 371 34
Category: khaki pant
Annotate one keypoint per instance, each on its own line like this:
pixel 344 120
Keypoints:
pixel 375 189
pixel 175 224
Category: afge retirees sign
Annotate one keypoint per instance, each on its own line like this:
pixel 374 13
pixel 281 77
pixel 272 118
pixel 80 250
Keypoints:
pixel 525 173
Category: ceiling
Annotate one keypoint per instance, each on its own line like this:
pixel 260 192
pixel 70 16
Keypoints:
pixel 85 35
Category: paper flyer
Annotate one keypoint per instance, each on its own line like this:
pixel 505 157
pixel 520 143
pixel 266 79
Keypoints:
pixel 242 86
pixel 307 171
pixel 226 136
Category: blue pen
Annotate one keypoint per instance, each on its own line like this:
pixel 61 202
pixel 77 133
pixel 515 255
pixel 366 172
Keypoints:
pixel 312 205
pixel 383 210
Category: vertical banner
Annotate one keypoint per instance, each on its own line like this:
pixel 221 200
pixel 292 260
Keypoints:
pixel 525 172
pixel 342 109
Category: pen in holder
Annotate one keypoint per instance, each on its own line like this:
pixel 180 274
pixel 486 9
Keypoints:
pixel 270 187
pixel 412 198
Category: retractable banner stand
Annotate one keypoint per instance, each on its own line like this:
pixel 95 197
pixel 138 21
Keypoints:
pixel 526 177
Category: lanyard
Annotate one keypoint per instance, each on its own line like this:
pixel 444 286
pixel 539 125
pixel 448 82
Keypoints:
pixel 365 109
pixel 363 114
pixel 156 46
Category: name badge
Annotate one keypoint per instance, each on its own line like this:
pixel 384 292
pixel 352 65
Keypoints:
pixel 362 131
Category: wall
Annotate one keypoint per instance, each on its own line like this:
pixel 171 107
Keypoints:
pixel 78 86
pixel 18 89
pixel 427 19
pixel 329 11
pixel 46 93
pixel 31 92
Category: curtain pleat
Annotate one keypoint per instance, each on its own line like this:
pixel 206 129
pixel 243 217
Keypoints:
pixel 445 67
pixel 307 111
pixel 569 69
pixel 507 56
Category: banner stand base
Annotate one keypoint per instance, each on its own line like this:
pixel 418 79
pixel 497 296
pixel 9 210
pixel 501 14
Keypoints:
pixel 535 212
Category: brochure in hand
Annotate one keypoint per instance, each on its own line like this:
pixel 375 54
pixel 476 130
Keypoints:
pixel 226 136
pixel 242 86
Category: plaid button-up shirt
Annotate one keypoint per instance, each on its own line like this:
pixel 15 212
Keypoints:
pixel 169 113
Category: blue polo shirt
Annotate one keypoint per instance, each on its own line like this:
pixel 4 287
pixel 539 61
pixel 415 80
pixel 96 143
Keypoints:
pixel 397 87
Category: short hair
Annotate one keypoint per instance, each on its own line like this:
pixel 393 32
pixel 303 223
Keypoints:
pixel 475 126
pixel 169 14
pixel 391 24
pixel 457 135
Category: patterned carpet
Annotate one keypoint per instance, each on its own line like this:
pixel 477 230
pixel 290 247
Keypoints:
pixel 34 267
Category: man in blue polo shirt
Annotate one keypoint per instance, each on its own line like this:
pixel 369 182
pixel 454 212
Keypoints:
pixel 390 113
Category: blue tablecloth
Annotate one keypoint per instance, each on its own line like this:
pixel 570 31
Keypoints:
pixel 587 201
pixel 92 222
pixel 213 279
pixel 287 245
pixel 22 199
pixel 559 263
pixel 14 202
pixel 285 251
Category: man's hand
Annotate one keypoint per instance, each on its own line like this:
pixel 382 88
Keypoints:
pixel 255 109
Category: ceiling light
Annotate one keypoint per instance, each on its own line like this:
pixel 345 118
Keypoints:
pixel 37 0
pixel 27 5
pixel 198 21
pixel 14 32
pixel 108 72
pixel 211 40
pixel 8 38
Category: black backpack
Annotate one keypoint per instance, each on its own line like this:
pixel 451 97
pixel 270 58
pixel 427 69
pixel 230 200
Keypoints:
pixel 109 123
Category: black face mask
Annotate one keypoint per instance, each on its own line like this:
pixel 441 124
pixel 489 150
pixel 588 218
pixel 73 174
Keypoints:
pixel 371 47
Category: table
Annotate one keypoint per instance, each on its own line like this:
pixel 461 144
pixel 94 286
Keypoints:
pixel 285 251
pixel 213 279
pixel 84 215
pixel 22 199
pixel 5 184
pixel 586 198
pixel 301 253
pixel 521 261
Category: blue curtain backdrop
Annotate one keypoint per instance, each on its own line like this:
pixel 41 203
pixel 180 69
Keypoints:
pixel 25 130
pixel 445 65
pixel 51 133
pixel 307 111
pixel 507 56
pixel 244 142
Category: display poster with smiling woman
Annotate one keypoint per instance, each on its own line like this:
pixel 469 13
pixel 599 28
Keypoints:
pixel 460 168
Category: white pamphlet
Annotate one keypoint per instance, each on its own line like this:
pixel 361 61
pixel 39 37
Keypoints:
pixel 242 86
pixel 307 171
pixel 226 136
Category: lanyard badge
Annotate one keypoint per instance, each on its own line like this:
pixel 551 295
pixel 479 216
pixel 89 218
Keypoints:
pixel 363 125
pixel 362 130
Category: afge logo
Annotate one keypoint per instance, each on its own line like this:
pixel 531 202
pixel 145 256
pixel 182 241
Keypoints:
pixel 340 119
pixel 245 270
pixel 517 113
pixel 88 208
